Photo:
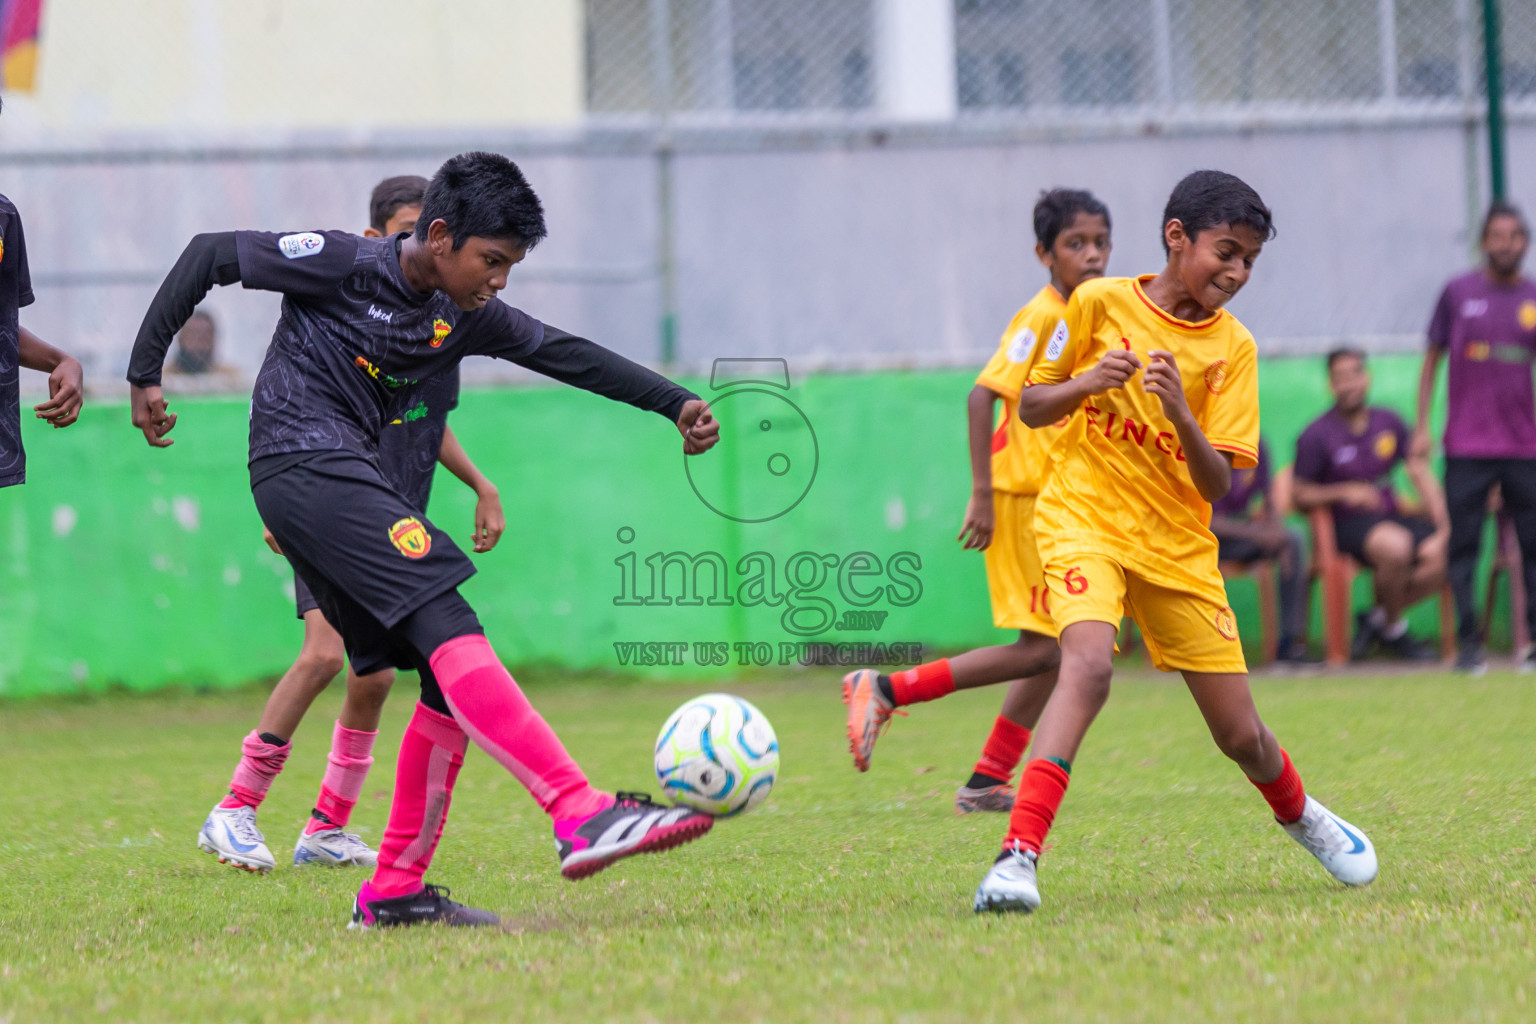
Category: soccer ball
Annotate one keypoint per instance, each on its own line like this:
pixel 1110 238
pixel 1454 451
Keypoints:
pixel 717 754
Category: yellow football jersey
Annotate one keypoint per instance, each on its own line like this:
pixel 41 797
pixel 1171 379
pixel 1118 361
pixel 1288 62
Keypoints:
pixel 1118 483
pixel 1019 454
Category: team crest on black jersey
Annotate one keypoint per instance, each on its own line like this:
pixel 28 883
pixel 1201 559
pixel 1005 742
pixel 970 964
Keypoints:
pixel 440 330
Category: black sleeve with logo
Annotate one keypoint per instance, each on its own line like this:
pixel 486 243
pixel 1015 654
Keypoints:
pixel 15 292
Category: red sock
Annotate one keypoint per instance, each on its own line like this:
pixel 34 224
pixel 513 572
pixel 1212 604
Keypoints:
pixel 925 682
pixel 1003 750
pixel 347 767
pixel 493 710
pixel 259 764
pixel 431 754
pixel 1286 796
pixel 1041 788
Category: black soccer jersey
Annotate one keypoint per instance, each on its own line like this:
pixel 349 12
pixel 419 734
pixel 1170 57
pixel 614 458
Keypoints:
pixel 413 437
pixel 15 292
pixel 353 336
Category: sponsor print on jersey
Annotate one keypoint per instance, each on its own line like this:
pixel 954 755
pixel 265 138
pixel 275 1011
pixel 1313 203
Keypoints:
pixel 379 375
pixel 1058 343
pixel 1216 376
pixel 410 537
pixel 1226 624
pixel 305 243
pixel 440 330
pixel 1022 345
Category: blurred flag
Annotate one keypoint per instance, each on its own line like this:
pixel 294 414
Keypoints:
pixel 18 42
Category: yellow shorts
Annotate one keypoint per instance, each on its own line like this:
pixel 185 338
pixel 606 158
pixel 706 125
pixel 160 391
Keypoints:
pixel 1185 631
pixel 1019 597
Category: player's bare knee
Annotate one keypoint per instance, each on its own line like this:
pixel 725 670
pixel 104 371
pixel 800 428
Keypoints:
pixel 1035 653
pixel 321 664
pixel 1244 740
pixel 1089 673
pixel 370 690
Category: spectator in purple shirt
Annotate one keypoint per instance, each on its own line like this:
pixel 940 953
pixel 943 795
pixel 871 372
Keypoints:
pixel 1485 323
pixel 1344 462
pixel 1246 535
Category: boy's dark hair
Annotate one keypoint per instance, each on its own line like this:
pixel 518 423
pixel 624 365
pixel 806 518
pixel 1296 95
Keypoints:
pixel 1205 199
pixel 1054 211
pixel 1503 208
pixel 391 194
pixel 484 195
pixel 1345 352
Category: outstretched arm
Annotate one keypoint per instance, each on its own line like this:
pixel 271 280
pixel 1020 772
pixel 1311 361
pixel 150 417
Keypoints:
pixel 490 521
pixel 208 259
pixel 591 367
pixel 66 380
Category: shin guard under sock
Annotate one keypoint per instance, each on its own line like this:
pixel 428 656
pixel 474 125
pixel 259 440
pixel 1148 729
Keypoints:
pixel 1042 785
pixel 497 716
pixel 1003 750
pixel 260 762
pixel 431 754
pixel 1286 795
pixel 346 769
pixel 923 683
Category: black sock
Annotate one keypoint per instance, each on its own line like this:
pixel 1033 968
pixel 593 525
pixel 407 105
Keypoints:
pixel 980 781
pixel 276 741
pixel 886 689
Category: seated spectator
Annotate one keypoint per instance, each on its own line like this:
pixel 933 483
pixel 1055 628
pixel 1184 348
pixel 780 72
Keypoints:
pixel 1344 462
pixel 194 365
pixel 1246 535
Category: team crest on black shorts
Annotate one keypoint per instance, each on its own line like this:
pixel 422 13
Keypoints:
pixel 1226 624
pixel 410 537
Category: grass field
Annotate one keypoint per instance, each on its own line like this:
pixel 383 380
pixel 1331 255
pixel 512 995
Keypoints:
pixel 1169 894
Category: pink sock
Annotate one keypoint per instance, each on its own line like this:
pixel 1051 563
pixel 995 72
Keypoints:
pixel 351 757
pixel 259 764
pixel 493 710
pixel 431 754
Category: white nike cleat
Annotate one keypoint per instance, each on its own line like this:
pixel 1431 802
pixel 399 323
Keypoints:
pixel 1010 885
pixel 333 848
pixel 1342 848
pixel 230 833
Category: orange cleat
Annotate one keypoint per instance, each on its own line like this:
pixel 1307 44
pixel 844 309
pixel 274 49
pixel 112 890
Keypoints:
pixel 869 712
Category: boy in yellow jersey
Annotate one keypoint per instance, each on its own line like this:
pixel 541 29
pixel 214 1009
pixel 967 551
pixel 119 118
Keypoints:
pixel 1123 517
pixel 1007 468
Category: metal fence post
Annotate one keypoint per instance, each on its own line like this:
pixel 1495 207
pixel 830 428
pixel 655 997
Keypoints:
pixel 666 255
pixel 1493 75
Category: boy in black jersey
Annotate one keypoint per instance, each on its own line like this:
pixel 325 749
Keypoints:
pixel 410 448
pixel 19 347
pixel 364 320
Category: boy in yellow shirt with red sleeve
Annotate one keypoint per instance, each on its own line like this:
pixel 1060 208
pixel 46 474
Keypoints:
pixel 1072 241
pixel 1123 519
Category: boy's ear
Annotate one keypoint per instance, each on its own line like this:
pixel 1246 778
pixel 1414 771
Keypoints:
pixel 372 232
pixel 1173 234
pixel 1044 255
pixel 438 238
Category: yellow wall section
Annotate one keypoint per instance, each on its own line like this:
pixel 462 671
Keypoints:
pixel 109 64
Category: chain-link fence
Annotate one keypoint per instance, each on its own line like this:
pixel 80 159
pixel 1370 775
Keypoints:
pixel 730 61
pixel 849 182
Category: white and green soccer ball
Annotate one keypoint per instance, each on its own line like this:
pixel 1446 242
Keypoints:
pixel 717 754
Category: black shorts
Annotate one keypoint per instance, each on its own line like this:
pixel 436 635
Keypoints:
pixel 1350 531
pixel 367 558
pixel 303 601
